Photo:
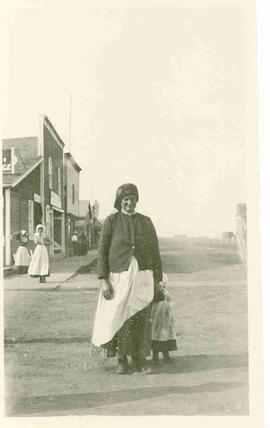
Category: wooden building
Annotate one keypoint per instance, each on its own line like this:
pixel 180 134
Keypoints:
pixel 71 189
pixel 33 188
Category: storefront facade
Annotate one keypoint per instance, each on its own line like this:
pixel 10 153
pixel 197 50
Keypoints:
pixel 71 190
pixel 21 208
pixel 33 189
pixel 52 150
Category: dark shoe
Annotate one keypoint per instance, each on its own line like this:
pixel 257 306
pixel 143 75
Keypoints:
pixel 122 367
pixel 137 363
pixel 167 358
pixel 142 369
pixel 140 365
pixel 155 357
pixel 147 370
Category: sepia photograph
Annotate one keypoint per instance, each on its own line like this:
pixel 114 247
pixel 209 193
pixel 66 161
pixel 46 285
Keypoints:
pixel 130 210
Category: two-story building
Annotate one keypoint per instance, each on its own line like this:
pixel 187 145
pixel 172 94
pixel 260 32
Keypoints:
pixel 52 189
pixel 21 167
pixel 71 189
pixel 33 188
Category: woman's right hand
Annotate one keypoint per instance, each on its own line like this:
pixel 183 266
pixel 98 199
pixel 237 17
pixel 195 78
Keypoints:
pixel 106 289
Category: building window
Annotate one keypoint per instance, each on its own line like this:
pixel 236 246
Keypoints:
pixel 50 172
pixel 59 180
pixel 73 194
pixel 31 218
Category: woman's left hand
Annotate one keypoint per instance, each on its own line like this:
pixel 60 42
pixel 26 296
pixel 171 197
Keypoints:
pixel 107 289
pixel 162 285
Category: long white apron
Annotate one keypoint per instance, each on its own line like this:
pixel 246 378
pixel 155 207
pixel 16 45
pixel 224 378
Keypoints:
pixel 133 291
pixel 22 257
pixel 163 328
pixel 39 265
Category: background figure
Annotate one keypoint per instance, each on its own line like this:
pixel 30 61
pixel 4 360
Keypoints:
pixel 83 244
pixel 39 266
pixel 74 240
pixel 22 257
pixel 241 232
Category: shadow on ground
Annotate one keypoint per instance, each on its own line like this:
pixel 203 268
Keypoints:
pixel 88 268
pixel 197 363
pixel 71 402
pixel 184 364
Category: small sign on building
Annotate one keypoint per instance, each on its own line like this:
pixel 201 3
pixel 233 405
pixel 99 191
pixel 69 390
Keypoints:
pixel 56 200
pixel 8 160
pixel 37 198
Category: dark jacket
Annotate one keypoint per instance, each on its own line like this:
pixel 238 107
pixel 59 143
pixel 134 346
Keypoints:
pixel 124 236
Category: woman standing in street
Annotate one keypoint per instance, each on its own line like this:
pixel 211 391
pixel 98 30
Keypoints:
pixel 129 268
pixel 39 266
pixel 22 257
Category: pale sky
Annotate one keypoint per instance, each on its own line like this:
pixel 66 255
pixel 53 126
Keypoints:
pixel 157 99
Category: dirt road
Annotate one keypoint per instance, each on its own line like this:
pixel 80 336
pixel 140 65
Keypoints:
pixel 49 372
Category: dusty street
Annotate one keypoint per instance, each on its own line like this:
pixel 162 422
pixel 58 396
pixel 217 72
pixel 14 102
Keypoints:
pixel 49 372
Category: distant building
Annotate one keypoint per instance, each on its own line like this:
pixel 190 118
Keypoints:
pixel 181 237
pixel 241 231
pixel 71 188
pixel 83 223
pixel 88 222
pixel 96 225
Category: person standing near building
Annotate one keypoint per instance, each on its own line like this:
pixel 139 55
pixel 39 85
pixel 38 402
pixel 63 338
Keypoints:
pixel 74 240
pixel 83 244
pixel 39 266
pixel 22 257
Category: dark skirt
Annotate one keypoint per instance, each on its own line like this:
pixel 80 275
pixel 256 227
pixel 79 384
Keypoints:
pixel 22 269
pixel 134 337
pixel 164 346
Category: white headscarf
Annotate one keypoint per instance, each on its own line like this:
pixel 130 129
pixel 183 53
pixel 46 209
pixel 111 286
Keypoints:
pixel 43 230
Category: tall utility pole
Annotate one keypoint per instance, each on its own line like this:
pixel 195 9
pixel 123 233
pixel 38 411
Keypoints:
pixel 70 105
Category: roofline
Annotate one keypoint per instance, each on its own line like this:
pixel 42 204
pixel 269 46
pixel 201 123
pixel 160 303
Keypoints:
pixel 77 166
pixel 20 138
pixel 51 128
pixel 85 200
pixel 21 177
